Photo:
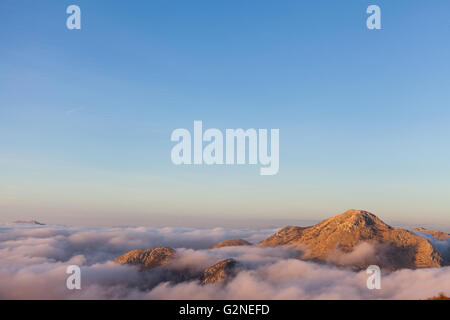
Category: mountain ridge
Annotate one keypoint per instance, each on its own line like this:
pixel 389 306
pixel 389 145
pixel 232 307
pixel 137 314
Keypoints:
pixel 343 233
pixel 355 238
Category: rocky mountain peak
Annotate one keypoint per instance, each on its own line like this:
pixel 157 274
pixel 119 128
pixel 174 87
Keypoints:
pixel 354 219
pixel 147 258
pixel 340 235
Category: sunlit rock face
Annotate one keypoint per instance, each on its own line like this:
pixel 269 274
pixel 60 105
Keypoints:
pixel 147 258
pixel 365 235
pixel 220 272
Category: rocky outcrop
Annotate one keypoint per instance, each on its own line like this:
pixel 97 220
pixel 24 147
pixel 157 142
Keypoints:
pixel 231 243
pixel 220 272
pixel 435 233
pixel 147 258
pixel 394 248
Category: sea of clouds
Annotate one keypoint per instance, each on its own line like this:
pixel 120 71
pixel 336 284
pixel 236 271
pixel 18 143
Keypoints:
pixel 34 259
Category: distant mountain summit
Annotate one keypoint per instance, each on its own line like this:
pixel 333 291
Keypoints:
pixel 338 237
pixel 231 243
pixel 30 222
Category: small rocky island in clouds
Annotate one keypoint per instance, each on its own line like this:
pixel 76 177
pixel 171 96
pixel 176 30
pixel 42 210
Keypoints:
pixel 32 222
pixel 353 239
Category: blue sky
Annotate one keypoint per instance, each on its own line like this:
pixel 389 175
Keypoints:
pixel 86 115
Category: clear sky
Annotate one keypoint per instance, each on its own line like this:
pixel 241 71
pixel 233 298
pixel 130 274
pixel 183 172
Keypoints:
pixel 86 115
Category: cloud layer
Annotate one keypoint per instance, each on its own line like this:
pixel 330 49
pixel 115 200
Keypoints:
pixel 33 262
